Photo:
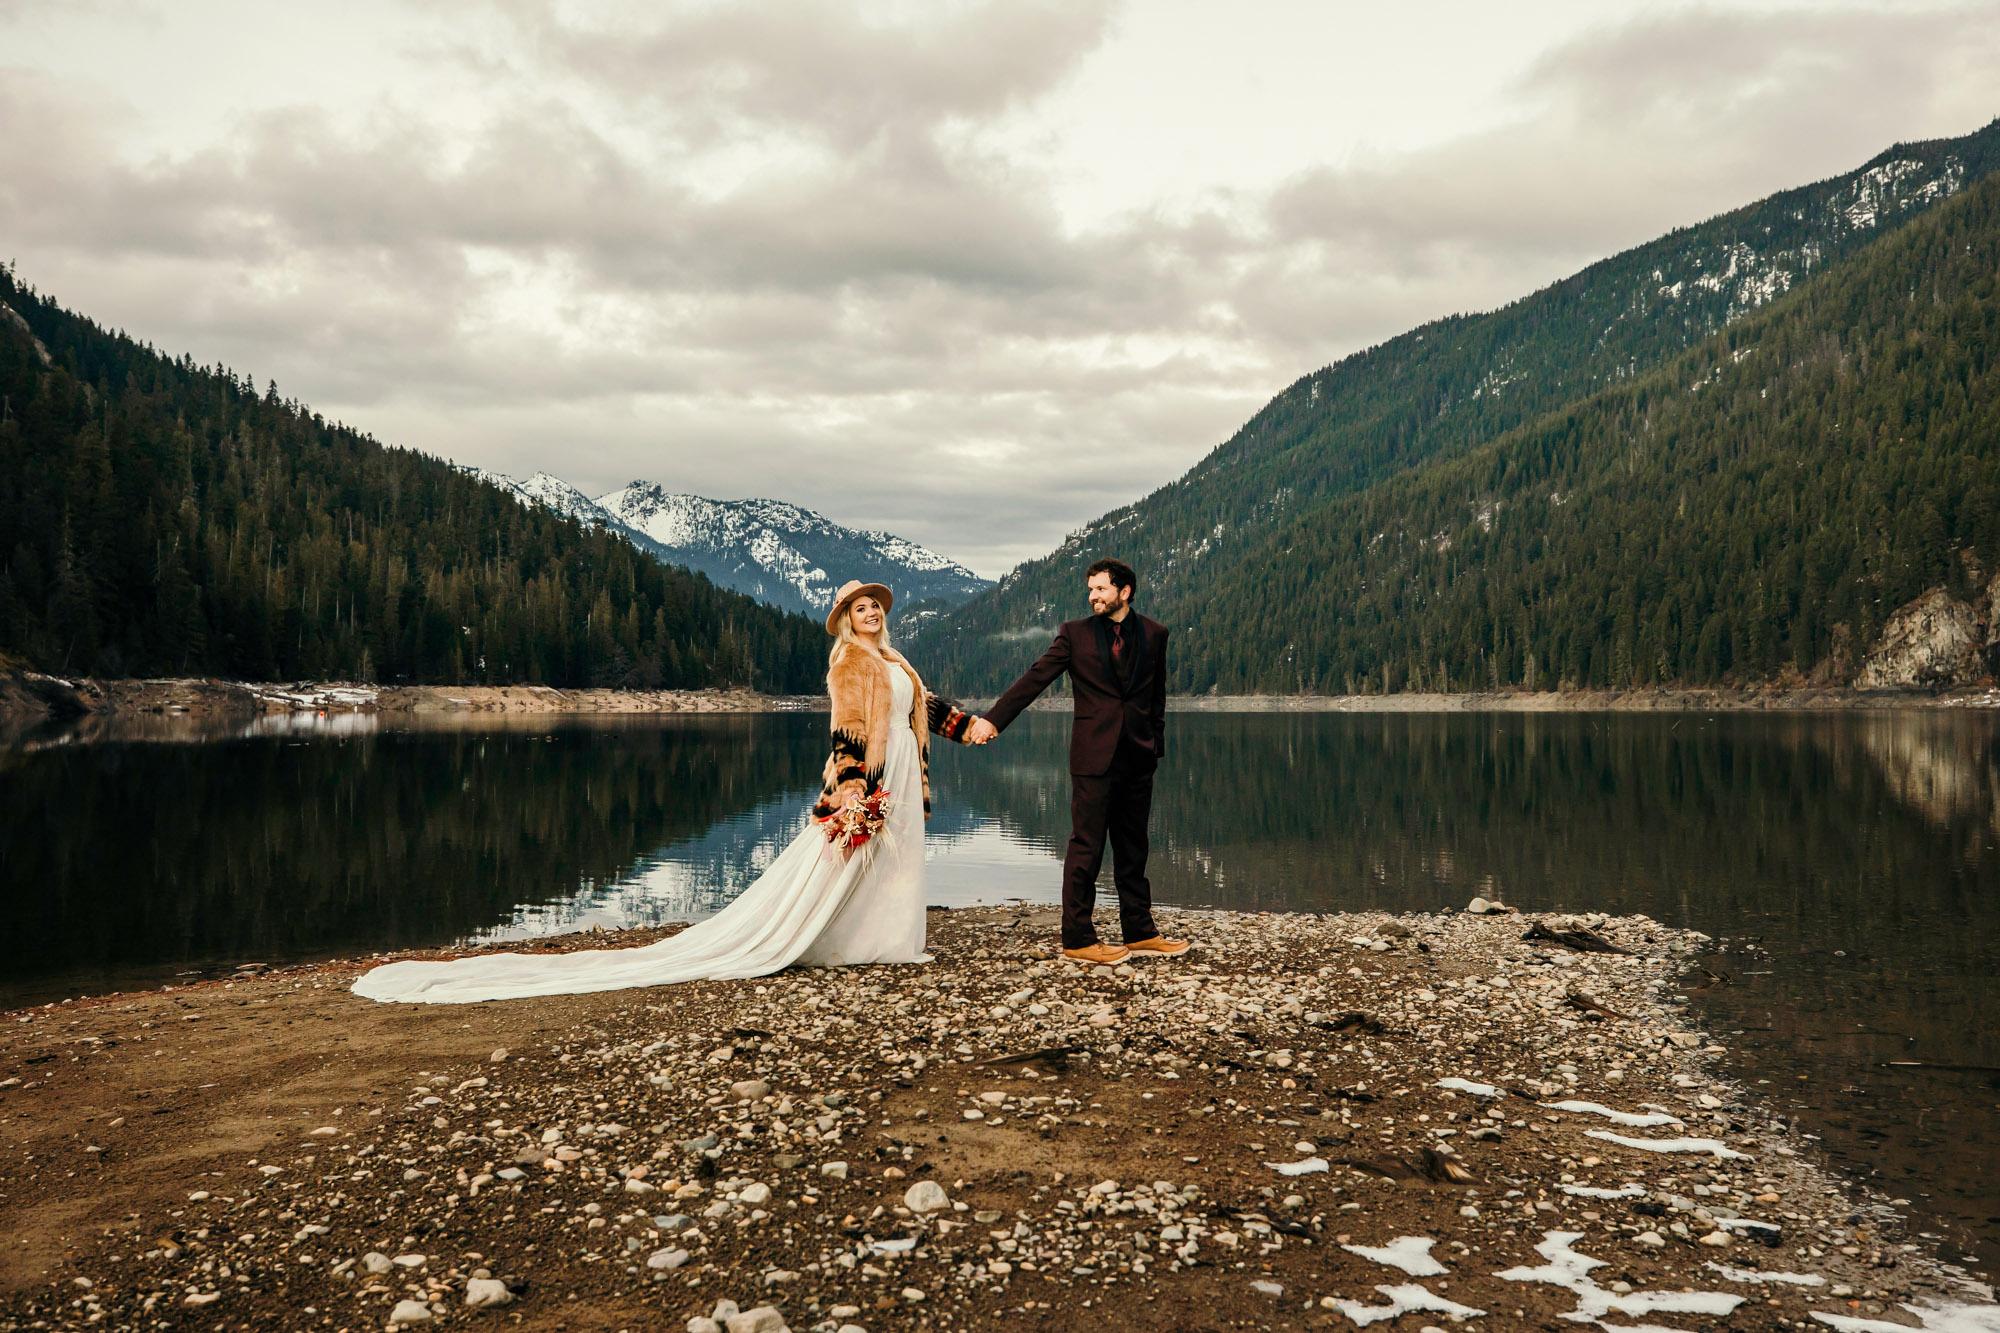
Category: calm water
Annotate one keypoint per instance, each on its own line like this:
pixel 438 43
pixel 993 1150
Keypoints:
pixel 1858 850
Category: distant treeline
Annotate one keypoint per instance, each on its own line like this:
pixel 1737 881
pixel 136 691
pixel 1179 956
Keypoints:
pixel 163 518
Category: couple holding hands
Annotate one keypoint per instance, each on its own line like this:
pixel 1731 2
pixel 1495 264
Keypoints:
pixel 850 889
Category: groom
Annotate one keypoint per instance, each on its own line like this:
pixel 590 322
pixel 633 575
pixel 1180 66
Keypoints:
pixel 1117 665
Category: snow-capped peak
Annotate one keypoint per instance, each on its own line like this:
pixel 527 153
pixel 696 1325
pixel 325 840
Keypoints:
pixel 773 550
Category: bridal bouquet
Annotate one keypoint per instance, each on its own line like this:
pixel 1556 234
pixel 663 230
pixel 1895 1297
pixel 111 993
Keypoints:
pixel 852 825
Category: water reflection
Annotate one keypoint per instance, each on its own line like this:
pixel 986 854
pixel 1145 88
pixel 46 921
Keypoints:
pixel 1856 851
pixel 125 863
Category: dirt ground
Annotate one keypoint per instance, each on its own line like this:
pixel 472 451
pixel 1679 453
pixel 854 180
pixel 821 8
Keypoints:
pixel 273 1152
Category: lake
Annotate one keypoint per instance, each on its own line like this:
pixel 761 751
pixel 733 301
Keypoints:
pixel 1846 862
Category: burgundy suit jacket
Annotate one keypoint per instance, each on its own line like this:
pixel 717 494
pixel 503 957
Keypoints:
pixel 1105 712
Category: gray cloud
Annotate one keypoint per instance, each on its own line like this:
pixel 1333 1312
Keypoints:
pixel 735 248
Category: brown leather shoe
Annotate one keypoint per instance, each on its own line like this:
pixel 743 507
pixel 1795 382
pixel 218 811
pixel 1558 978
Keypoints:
pixel 1159 944
pixel 1098 953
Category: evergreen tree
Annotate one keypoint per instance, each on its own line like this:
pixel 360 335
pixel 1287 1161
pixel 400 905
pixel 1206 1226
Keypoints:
pixel 159 517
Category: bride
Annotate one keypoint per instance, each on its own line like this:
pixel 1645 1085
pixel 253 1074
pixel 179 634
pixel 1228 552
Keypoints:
pixel 820 902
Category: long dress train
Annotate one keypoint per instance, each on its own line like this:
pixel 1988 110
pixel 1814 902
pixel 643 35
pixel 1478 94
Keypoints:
pixel 816 904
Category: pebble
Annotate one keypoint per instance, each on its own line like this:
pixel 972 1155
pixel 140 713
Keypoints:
pixel 482 1293
pixel 537 1152
pixel 410 1312
pixel 926 1196
pixel 763 1319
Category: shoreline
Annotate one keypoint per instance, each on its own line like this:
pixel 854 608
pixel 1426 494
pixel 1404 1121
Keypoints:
pixel 270 1150
pixel 28 698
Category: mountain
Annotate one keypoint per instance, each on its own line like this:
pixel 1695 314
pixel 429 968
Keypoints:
pixel 785 555
pixel 163 518
pixel 1445 391
pixel 1760 508
pixel 779 553
pixel 1766 506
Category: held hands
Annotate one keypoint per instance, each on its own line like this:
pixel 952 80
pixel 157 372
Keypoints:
pixel 980 732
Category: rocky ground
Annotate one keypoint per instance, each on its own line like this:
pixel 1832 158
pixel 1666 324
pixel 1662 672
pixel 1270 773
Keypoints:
pixel 1308 1122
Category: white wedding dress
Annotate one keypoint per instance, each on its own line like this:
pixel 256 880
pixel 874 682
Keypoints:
pixel 817 905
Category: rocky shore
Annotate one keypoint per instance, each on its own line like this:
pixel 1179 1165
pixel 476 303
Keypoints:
pixel 27 698
pixel 1308 1122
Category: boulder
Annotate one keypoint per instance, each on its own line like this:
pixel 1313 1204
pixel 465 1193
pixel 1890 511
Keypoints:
pixel 1933 642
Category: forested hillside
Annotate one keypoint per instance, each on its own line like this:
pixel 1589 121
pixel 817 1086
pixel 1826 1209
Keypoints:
pixel 1452 387
pixel 163 518
pixel 1756 508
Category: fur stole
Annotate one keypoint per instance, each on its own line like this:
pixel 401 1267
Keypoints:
pixel 857 682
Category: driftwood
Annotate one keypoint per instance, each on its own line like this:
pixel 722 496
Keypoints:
pixel 1583 939
pixel 1282 1225
pixel 1909 1064
pixel 1577 999
pixel 1428 1165
pixel 1055 1057
pixel 1354 1022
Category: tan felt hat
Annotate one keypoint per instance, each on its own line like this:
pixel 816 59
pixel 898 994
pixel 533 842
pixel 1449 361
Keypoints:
pixel 852 589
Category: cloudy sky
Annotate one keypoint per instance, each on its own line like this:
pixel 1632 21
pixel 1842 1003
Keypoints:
pixel 971 272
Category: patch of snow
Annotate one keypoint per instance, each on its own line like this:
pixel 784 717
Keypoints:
pixel 1714 1146
pixel 1570 1270
pixel 1616 1117
pixel 1626 1191
pixel 1305 1168
pixel 1412 1254
pixel 1466 1085
pixel 1402 1301
pixel 1938 1317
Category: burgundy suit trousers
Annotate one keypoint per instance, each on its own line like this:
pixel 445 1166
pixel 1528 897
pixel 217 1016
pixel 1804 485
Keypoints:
pixel 1116 804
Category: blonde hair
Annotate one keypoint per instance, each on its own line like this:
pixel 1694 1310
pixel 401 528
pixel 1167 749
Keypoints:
pixel 845 635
